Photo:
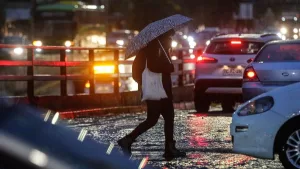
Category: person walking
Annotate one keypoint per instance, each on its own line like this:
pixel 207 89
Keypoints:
pixel 155 56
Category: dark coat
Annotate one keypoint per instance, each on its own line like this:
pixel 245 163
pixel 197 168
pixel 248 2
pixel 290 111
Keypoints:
pixel 157 62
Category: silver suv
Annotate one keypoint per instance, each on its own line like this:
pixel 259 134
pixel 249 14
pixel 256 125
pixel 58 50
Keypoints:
pixel 219 70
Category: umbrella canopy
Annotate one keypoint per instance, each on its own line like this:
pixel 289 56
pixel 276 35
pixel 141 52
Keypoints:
pixel 154 30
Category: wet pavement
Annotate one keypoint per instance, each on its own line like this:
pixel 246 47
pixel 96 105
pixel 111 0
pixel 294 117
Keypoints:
pixel 205 138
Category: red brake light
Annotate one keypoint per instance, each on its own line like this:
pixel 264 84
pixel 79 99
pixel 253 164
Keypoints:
pixel 236 42
pixel 204 59
pixel 250 75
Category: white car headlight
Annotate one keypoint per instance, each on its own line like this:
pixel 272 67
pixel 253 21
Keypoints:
pixel 68 43
pixel 18 51
pixel 260 105
pixel 120 42
pixel 38 49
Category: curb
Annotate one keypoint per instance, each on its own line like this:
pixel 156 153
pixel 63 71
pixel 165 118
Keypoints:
pixel 96 112
pixel 101 112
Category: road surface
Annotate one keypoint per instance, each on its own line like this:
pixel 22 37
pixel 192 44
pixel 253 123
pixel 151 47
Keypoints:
pixel 205 138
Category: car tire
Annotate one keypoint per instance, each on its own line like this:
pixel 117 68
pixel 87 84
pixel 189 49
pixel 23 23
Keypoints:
pixel 288 135
pixel 227 106
pixel 201 102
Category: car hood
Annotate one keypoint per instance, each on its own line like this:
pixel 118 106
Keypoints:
pixel 286 100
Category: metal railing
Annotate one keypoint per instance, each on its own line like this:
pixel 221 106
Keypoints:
pixel 63 64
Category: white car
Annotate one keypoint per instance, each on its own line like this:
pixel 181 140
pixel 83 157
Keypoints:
pixel 269 124
pixel 219 70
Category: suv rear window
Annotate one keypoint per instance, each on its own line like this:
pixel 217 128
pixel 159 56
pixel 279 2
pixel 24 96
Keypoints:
pixel 279 53
pixel 234 47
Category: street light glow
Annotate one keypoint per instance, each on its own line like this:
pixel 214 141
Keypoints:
pixel 190 39
pixel 174 44
pixel 295 36
pixel 90 7
pixel 283 30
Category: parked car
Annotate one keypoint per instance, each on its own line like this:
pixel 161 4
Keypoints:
pixel 269 124
pixel 276 65
pixel 219 70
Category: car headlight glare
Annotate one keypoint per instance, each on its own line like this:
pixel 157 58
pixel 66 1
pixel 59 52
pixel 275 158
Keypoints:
pixel 120 42
pixel 68 43
pixel 283 30
pixel 37 43
pixel 258 106
pixel 18 51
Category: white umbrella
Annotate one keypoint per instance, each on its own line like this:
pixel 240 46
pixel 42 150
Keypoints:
pixel 154 30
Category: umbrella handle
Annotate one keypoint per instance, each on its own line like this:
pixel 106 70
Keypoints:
pixel 164 51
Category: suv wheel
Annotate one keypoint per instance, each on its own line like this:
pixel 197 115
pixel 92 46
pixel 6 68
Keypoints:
pixel 289 153
pixel 201 102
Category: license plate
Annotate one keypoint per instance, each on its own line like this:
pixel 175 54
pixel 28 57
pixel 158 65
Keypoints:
pixel 232 72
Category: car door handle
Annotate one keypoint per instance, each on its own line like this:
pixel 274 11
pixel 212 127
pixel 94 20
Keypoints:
pixel 241 128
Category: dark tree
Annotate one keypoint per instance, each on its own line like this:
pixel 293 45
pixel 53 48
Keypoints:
pixel 143 12
pixel 139 13
pixel 211 12
pixel 2 17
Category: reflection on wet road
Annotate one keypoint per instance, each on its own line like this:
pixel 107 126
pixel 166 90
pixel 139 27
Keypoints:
pixel 205 138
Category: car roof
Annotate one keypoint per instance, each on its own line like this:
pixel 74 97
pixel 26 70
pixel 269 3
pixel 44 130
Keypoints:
pixel 284 42
pixel 248 37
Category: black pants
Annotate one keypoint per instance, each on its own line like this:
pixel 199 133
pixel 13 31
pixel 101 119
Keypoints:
pixel 155 108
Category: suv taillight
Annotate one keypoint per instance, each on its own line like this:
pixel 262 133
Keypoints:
pixel 203 59
pixel 250 75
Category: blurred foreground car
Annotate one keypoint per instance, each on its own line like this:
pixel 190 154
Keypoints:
pixel 276 65
pixel 219 70
pixel 269 124
pixel 28 141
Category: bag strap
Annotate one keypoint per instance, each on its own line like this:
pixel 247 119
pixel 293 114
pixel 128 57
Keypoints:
pixel 164 51
pixel 146 63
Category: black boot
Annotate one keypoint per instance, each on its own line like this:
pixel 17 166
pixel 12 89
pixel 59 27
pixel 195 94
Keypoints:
pixel 172 152
pixel 125 144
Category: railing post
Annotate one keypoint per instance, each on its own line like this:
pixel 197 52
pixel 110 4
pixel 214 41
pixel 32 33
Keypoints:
pixel 180 68
pixel 30 83
pixel 116 79
pixel 63 71
pixel 91 72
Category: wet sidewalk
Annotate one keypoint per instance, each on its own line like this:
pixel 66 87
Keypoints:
pixel 204 137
